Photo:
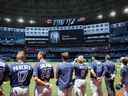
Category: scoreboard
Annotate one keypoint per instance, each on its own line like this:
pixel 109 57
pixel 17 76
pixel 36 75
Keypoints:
pixel 57 36
pixel 54 36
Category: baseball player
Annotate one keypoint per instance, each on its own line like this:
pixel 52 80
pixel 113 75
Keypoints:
pixel 109 73
pixel 3 73
pixel 20 76
pixel 124 77
pixel 81 71
pixel 43 72
pixel 64 74
pixel 97 70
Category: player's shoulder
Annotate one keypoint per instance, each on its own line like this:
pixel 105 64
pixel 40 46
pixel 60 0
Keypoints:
pixel 124 67
pixel 2 64
pixel 37 64
pixel 49 65
pixel 13 64
pixel 65 64
pixel 87 65
pixel 70 64
pixel 124 70
pixel 29 65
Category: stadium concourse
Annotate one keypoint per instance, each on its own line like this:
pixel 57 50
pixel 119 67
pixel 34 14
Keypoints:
pixel 64 48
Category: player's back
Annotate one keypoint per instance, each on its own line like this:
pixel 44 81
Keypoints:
pixel 66 70
pixel 45 71
pixel 109 68
pixel 98 68
pixel 65 73
pixel 81 71
pixel 20 74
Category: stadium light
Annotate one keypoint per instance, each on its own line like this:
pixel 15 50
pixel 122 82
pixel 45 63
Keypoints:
pixel 7 20
pixel 126 10
pixel 112 14
pixel 100 16
pixel 20 20
pixel 32 21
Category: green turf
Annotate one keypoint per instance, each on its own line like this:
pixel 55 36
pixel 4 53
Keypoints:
pixel 7 88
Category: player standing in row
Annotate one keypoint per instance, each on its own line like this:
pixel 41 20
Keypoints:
pixel 124 78
pixel 20 76
pixel 64 74
pixel 97 70
pixel 3 72
pixel 81 71
pixel 109 73
pixel 43 72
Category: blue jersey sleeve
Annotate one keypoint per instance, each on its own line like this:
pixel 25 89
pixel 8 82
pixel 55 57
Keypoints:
pixel 57 71
pixel 93 66
pixel 35 70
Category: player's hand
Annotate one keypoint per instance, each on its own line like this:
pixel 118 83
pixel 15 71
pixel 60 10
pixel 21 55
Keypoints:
pixel 47 84
pixel 98 81
pixel 99 78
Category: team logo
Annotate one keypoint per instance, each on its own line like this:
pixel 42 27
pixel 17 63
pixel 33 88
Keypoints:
pixel 54 37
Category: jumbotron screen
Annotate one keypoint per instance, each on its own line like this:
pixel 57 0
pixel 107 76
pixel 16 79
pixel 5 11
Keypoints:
pixel 66 37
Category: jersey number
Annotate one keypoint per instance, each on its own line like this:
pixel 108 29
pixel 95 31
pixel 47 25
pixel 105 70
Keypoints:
pixel 22 75
pixel 82 73
pixel 45 73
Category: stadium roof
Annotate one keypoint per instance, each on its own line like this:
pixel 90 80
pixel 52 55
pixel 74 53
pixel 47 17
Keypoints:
pixel 62 8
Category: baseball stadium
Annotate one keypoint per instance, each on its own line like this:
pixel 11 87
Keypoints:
pixel 63 47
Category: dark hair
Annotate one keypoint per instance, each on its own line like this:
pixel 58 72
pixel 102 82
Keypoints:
pixel 125 60
pixel 65 56
pixel 42 53
pixel 21 55
pixel 107 57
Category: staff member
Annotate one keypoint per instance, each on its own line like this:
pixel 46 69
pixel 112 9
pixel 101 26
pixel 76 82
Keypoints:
pixel 97 70
pixel 109 73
